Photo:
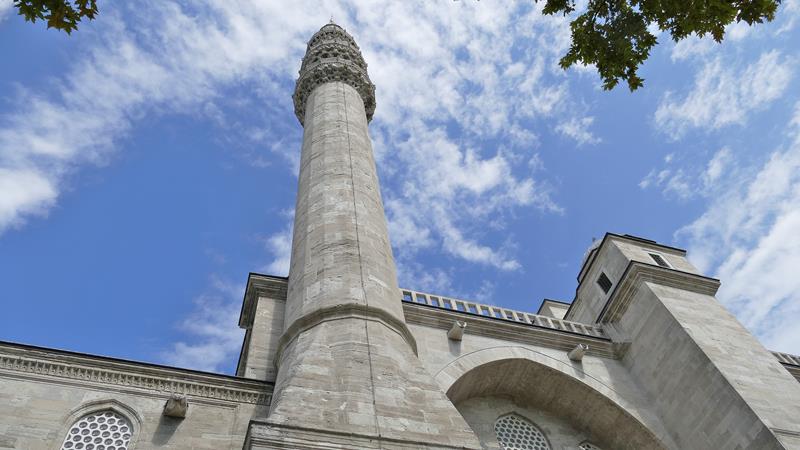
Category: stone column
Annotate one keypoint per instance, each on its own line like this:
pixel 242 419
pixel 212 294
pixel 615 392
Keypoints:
pixel 347 361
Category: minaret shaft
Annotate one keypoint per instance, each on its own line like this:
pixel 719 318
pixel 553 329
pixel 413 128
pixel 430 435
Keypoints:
pixel 347 361
pixel 341 254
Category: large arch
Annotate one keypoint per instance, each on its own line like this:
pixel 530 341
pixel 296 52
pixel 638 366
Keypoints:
pixel 557 387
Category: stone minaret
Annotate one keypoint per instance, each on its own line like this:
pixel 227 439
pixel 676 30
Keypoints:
pixel 347 361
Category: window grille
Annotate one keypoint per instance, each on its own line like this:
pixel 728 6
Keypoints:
pixel 604 282
pixel 101 430
pixel 586 445
pixel 659 260
pixel 517 433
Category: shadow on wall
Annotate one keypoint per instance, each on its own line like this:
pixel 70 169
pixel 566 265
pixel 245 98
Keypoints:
pixel 167 427
pixel 455 347
pixel 541 387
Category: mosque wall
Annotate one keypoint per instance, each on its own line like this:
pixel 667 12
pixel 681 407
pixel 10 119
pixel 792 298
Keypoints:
pixel 488 417
pixel 43 393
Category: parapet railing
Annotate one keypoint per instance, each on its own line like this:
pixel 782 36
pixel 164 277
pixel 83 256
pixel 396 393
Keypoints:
pixel 497 312
pixel 787 358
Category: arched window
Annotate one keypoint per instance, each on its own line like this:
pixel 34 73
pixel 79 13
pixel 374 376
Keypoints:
pixel 586 445
pixel 517 433
pixel 99 430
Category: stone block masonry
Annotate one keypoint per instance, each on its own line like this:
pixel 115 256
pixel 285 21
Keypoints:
pixel 347 360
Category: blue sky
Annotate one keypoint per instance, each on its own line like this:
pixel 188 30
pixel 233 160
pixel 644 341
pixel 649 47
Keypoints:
pixel 148 163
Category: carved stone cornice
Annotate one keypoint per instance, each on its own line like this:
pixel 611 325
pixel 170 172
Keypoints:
pixel 259 285
pixel 332 55
pixel 637 273
pixel 58 366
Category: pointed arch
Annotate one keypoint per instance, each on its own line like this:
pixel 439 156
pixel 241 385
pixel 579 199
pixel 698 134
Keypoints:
pixel 555 386
pixel 106 422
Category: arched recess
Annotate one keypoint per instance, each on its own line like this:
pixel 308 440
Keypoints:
pixel 554 386
pixel 93 406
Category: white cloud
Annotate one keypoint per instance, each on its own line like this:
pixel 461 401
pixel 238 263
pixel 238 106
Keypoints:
pixel 27 192
pixel 452 189
pixel 178 57
pixel 413 275
pixel 737 31
pixel 724 96
pixel 716 166
pixel 790 12
pixel 748 238
pixel 214 337
pixel 5 8
pixel 671 181
pixel 279 246
pixel 689 181
pixel 692 46
pixel 578 129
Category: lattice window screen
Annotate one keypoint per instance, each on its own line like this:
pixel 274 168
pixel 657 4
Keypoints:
pixel 517 433
pixel 102 430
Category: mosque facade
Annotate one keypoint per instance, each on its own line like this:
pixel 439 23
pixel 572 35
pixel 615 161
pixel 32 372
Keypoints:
pixel 338 356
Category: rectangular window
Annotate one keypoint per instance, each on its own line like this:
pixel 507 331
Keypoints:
pixel 604 282
pixel 659 260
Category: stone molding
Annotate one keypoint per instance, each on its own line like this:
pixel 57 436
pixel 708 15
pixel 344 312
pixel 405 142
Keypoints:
pixel 637 273
pixel 508 331
pixel 345 311
pixel 268 435
pixel 259 285
pixel 644 243
pixel 332 55
pixel 66 367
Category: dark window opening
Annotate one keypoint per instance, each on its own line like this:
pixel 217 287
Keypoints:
pixel 659 260
pixel 604 282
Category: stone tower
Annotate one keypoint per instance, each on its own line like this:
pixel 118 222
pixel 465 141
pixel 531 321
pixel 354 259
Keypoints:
pixel 347 361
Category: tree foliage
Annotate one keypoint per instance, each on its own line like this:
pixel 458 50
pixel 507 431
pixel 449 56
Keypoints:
pixel 60 14
pixel 615 36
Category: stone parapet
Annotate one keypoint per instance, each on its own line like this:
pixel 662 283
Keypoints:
pixel 497 312
pixel 508 331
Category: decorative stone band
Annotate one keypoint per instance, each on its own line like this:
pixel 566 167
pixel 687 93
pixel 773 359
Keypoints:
pixel 61 366
pixel 637 273
pixel 340 312
pixel 269 435
pixel 332 55
pixel 497 312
